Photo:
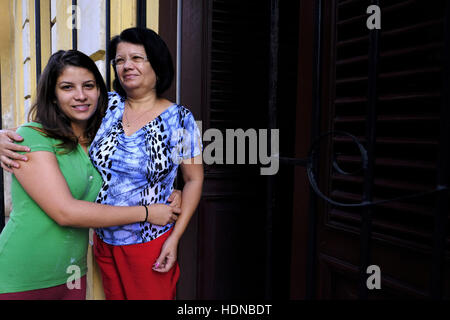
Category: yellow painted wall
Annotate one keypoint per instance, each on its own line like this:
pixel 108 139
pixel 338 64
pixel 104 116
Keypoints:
pixel 6 53
pixel 153 15
pixel 32 57
pixel 63 17
pixel 4 24
pixel 123 15
pixel 7 75
pixel 46 44
pixel 18 64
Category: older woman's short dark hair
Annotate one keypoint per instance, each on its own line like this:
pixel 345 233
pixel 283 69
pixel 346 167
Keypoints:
pixel 157 53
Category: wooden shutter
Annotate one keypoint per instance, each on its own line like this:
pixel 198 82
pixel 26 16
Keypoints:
pixel 239 53
pixel 407 135
pixel 232 215
pixel 408 114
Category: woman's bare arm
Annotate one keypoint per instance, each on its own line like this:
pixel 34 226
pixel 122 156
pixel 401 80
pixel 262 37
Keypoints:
pixel 42 179
pixel 192 171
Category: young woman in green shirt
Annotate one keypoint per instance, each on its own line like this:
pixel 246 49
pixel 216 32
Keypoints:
pixel 44 245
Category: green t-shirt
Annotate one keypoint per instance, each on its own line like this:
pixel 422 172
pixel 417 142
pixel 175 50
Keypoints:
pixel 35 252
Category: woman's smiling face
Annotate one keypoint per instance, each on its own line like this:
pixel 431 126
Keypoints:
pixel 134 71
pixel 77 94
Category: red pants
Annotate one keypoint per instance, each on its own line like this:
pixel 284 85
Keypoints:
pixel 61 292
pixel 127 271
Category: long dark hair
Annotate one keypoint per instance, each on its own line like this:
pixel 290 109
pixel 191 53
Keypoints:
pixel 157 53
pixel 46 111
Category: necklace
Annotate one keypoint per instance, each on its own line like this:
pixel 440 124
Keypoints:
pixel 138 117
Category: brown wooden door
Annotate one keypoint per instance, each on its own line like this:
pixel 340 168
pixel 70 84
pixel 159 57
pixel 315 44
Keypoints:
pixel 224 81
pixel 224 253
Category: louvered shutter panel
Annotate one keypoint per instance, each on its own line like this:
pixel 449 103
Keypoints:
pixel 236 99
pixel 408 115
pixel 239 50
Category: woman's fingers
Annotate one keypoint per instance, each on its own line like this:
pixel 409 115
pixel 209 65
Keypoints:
pixel 168 255
pixel 8 163
pixel 162 214
pixel 174 214
pixel 8 135
pixel 164 263
pixel 12 135
pixel 8 150
pixel 6 168
pixel 14 155
pixel 7 144
pixel 175 198
pixel 176 210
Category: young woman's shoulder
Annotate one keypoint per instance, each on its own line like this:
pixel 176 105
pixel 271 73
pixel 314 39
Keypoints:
pixel 34 137
pixel 31 129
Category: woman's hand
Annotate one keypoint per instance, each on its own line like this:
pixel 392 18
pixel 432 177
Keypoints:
pixel 162 214
pixel 7 148
pixel 168 255
pixel 175 199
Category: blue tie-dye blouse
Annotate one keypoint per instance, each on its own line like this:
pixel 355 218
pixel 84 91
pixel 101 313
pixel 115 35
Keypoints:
pixel 140 169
